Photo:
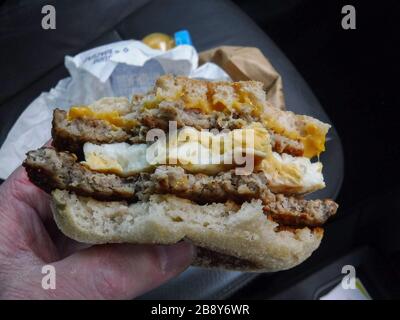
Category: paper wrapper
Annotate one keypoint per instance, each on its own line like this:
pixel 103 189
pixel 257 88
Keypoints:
pixel 125 68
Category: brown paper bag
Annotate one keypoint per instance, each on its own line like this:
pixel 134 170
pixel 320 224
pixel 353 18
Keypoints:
pixel 248 63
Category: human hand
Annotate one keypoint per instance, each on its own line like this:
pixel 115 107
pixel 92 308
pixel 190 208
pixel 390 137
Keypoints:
pixel 29 239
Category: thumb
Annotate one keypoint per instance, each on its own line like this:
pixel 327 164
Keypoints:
pixel 118 271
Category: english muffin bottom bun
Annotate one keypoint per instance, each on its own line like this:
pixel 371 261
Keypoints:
pixel 242 233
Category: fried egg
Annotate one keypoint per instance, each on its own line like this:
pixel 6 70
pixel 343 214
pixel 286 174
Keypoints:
pixel 196 151
pixel 288 174
pixel 209 154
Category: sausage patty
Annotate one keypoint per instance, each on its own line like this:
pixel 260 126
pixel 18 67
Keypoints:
pixel 71 134
pixel 51 170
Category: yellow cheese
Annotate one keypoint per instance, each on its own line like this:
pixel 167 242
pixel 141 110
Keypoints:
pixel 113 117
pixel 209 104
pixel 202 105
pixel 311 133
pixel 314 141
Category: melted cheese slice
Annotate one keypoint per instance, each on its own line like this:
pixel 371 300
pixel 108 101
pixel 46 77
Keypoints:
pixel 311 132
pixel 113 110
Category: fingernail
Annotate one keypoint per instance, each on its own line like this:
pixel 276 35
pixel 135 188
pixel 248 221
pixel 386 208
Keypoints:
pixel 175 257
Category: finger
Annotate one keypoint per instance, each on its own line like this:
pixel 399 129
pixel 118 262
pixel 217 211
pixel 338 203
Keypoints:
pixel 66 246
pixel 18 189
pixel 120 271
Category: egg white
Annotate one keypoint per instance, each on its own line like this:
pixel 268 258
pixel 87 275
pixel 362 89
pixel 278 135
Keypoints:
pixel 285 173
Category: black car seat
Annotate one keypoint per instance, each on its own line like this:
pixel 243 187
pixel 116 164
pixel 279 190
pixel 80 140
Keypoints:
pixel 32 62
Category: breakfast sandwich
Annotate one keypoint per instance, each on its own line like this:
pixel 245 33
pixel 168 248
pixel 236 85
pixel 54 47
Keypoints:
pixel 212 163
